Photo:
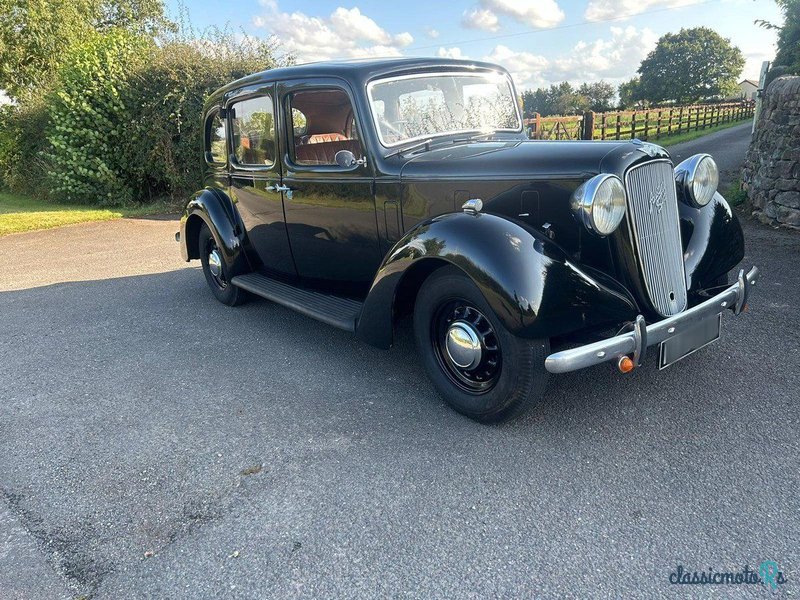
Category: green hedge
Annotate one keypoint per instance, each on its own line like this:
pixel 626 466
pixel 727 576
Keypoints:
pixel 120 125
pixel 91 117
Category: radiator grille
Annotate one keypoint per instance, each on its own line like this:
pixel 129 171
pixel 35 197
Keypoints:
pixel 653 218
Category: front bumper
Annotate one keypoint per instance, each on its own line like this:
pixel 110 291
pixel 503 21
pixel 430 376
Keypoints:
pixel 635 343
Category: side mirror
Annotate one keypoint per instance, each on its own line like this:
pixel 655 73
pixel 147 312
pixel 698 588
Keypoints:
pixel 345 159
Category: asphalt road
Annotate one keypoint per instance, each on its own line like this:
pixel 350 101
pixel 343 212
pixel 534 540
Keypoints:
pixel 728 148
pixel 156 444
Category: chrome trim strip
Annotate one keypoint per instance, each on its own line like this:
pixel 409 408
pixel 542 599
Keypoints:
pixel 657 238
pixel 627 343
pixel 640 339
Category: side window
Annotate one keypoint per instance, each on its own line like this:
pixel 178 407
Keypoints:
pixel 323 123
pixel 253 125
pixel 216 151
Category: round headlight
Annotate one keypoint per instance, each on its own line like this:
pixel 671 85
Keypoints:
pixel 599 203
pixel 697 179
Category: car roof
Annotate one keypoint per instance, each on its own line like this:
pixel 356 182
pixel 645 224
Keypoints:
pixel 355 71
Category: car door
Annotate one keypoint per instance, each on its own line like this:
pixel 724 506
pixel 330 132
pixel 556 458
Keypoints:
pixel 255 175
pixel 330 209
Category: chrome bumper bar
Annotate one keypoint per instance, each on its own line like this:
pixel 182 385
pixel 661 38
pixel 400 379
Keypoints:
pixel 635 343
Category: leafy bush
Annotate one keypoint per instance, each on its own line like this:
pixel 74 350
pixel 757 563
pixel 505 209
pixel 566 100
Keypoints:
pixel 90 116
pixel 23 167
pixel 125 118
pixel 167 96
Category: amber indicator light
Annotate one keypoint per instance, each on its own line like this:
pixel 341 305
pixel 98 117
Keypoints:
pixel 625 364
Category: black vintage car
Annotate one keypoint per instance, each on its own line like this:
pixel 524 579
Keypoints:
pixel 359 192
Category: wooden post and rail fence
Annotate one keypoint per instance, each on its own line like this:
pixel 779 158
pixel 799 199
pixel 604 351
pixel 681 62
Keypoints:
pixel 653 123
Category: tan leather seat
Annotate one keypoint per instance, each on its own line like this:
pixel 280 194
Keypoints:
pixel 324 153
pixel 321 138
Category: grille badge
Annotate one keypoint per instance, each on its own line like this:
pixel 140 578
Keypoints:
pixel 658 198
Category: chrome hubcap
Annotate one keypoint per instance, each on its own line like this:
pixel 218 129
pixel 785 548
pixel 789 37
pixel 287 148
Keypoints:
pixel 466 346
pixel 463 345
pixel 215 263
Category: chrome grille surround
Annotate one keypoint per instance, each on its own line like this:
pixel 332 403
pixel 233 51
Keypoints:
pixel 654 227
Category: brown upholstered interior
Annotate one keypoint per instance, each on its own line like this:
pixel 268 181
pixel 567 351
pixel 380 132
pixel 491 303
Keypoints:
pixel 320 138
pixel 324 153
pixel 328 129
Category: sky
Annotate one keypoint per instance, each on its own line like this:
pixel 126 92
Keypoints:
pixel 539 41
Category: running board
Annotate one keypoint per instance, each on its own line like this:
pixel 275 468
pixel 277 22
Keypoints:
pixel 333 310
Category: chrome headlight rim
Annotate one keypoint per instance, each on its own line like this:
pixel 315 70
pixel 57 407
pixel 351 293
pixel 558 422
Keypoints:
pixel 584 207
pixel 686 178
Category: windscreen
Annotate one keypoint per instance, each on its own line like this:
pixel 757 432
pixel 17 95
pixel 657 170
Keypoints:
pixel 432 104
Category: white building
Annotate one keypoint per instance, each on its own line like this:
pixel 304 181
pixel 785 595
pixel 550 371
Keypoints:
pixel 748 89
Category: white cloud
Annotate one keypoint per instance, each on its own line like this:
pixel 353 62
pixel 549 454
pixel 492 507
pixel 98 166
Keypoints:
pixel 432 33
pixel 759 46
pixel 598 10
pixel 403 39
pixel 536 13
pixel 346 33
pixel 480 18
pixel 613 59
pixel 525 67
pixel 453 52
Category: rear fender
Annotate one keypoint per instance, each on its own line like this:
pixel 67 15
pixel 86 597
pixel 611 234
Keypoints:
pixel 529 282
pixel 214 208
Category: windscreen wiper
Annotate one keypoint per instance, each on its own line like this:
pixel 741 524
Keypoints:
pixel 412 148
pixel 476 136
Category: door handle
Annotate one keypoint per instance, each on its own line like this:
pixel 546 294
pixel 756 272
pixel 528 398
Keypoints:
pixel 281 188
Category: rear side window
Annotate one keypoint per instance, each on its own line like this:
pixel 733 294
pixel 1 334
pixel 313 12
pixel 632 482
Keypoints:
pixel 216 151
pixel 253 125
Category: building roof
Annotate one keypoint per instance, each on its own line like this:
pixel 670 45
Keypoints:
pixel 750 81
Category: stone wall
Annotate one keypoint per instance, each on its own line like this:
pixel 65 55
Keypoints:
pixel 772 167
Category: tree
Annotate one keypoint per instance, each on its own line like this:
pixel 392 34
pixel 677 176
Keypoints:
pixel 35 35
pixel 629 93
pixel 691 65
pixel 600 95
pixel 558 99
pixel 788 55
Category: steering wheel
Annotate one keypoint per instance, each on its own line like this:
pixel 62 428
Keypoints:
pixel 397 128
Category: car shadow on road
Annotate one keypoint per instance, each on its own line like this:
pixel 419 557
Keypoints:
pixel 172 324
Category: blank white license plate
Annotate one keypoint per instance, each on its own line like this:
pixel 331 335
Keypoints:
pixel 684 343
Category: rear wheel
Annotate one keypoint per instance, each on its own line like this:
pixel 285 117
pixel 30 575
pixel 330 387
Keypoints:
pixel 216 271
pixel 478 367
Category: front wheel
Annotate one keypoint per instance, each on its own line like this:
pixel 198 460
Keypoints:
pixel 478 367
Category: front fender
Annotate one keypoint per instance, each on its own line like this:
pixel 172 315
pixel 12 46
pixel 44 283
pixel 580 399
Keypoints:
pixel 530 283
pixel 214 208
pixel 713 240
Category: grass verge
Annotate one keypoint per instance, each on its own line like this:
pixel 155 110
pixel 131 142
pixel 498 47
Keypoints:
pixel 19 213
pixel 735 194
pixel 671 140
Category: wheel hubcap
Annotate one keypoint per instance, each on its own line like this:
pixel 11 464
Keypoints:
pixel 215 263
pixel 463 345
pixel 215 267
pixel 466 346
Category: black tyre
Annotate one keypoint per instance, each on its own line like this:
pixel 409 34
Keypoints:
pixel 216 270
pixel 475 363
